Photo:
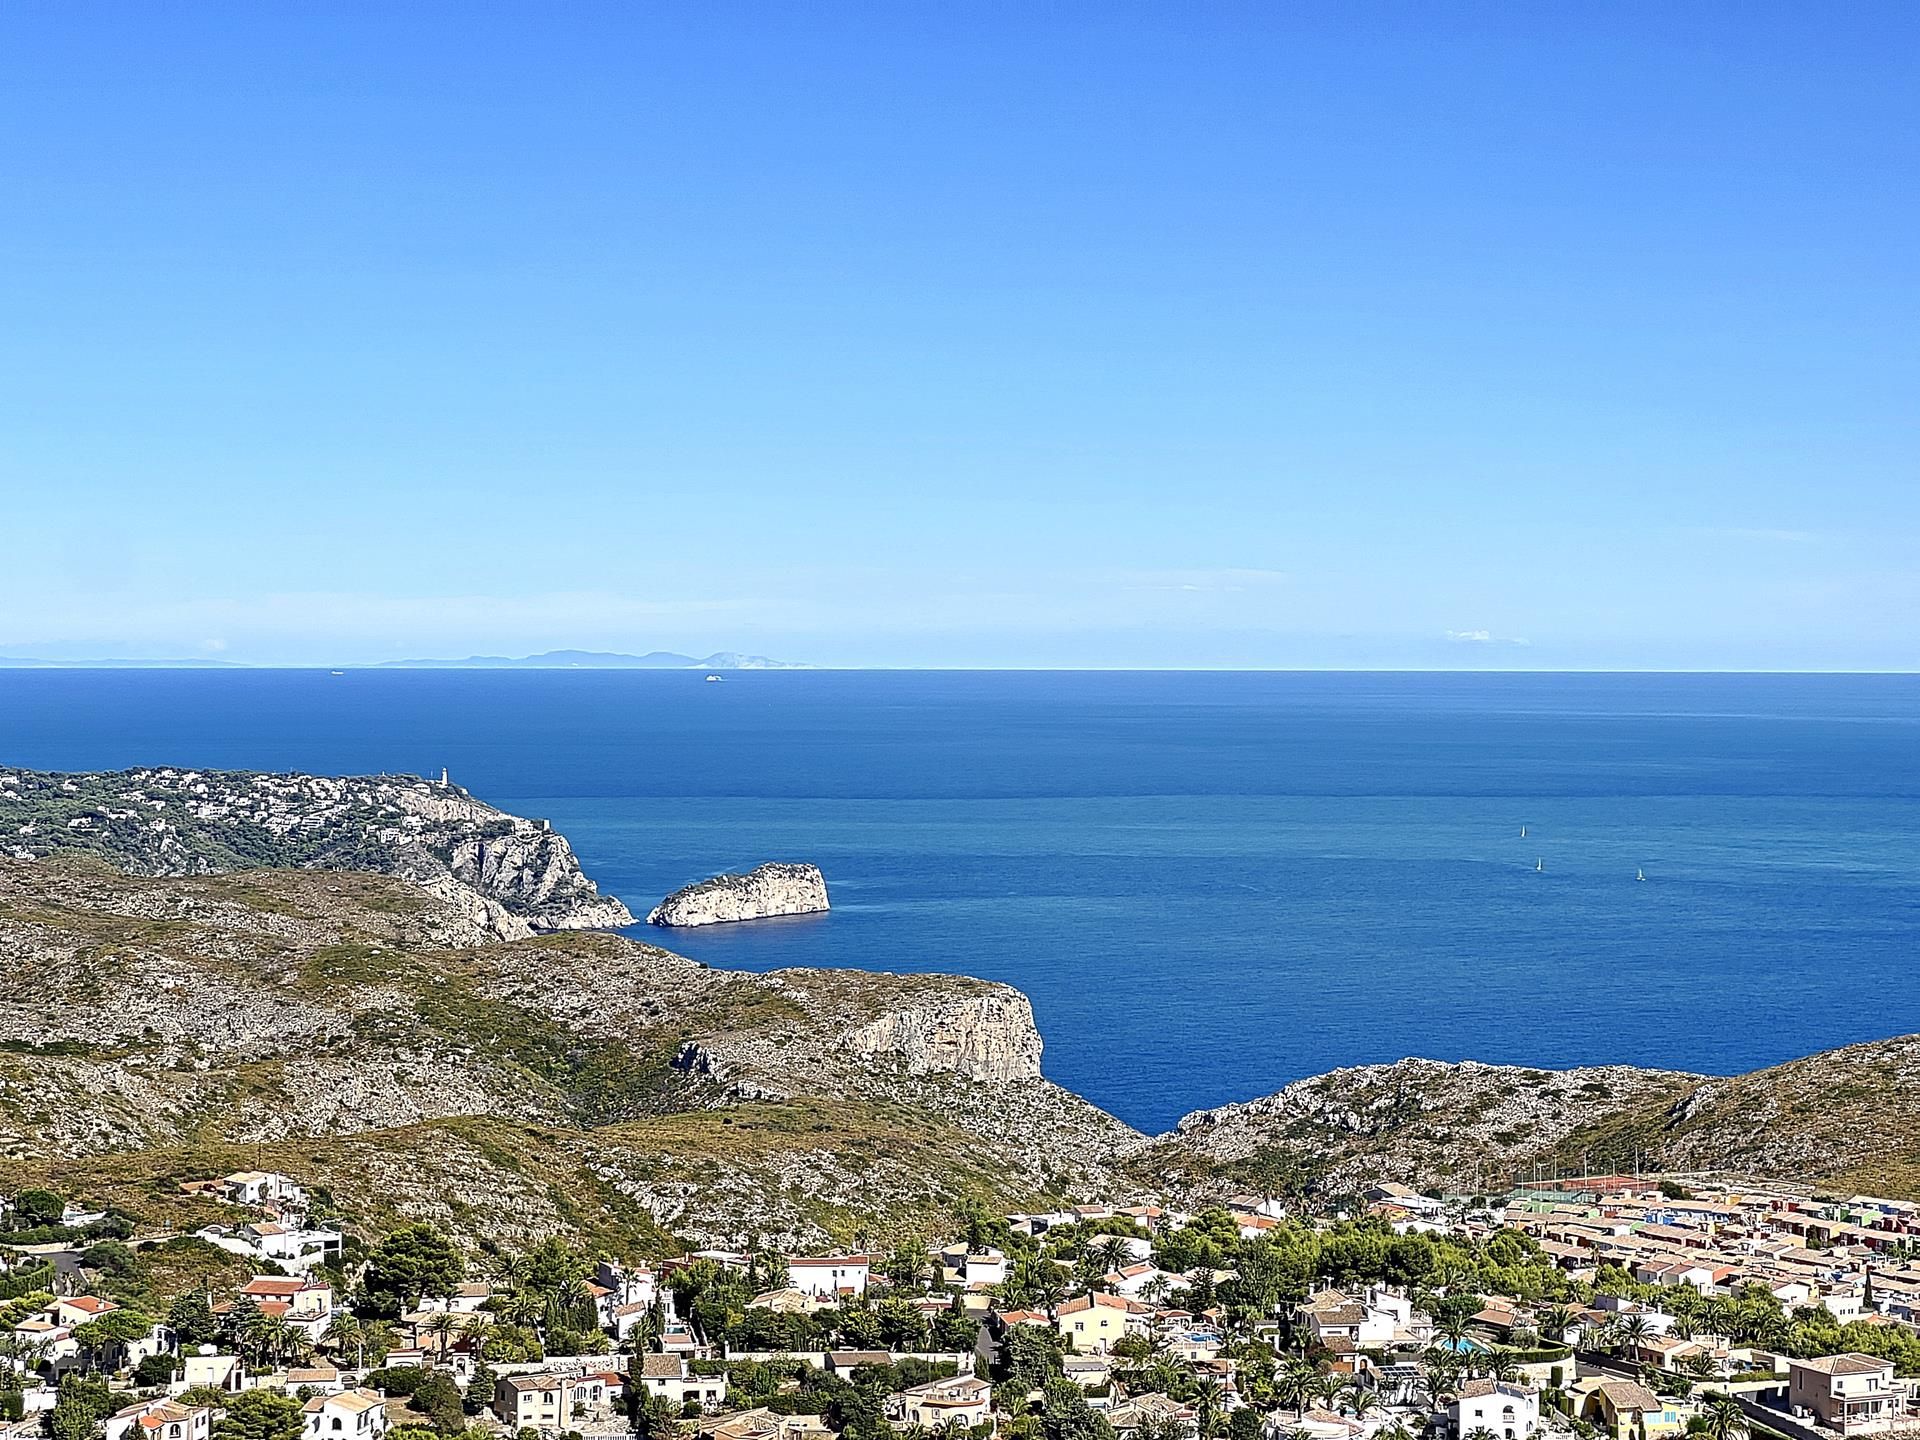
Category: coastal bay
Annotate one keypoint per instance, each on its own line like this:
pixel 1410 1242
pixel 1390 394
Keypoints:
pixel 1209 884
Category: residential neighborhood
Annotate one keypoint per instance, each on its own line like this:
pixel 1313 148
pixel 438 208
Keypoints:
pixel 1587 1308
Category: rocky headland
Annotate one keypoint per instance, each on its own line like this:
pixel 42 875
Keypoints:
pixel 366 1029
pixel 516 877
pixel 762 893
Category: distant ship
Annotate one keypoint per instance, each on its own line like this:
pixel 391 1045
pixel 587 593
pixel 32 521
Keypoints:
pixel 1538 866
pixel 1523 832
pixel 1639 874
pixel 713 679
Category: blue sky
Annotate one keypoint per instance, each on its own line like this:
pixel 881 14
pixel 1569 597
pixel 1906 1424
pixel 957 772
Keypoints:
pixel 1025 334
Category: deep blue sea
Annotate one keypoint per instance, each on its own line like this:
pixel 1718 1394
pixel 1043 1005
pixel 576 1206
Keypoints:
pixel 1210 884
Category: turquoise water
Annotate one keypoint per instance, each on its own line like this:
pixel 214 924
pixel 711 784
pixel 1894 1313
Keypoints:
pixel 1210 884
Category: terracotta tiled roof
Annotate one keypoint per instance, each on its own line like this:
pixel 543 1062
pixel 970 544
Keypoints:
pixel 1629 1395
pixel 1851 1363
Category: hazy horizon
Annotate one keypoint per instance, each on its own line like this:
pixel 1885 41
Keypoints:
pixel 788 665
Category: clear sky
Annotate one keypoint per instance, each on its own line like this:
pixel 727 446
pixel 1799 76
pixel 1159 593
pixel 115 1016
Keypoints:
pixel 1443 334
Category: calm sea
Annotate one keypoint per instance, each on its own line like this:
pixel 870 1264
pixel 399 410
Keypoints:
pixel 1210 884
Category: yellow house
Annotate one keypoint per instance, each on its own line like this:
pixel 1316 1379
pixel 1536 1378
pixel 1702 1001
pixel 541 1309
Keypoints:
pixel 1627 1410
pixel 1091 1323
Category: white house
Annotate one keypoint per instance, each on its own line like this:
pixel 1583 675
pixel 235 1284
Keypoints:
pixel 349 1415
pixel 1332 1315
pixel 292 1247
pixel 1133 1281
pixel 972 1268
pixel 668 1377
pixel 962 1400
pixel 628 1284
pixel 623 1320
pixel 550 1402
pixel 79 1309
pixel 1844 1305
pixel 211 1370
pixel 1511 1412
pixel 160 1420
pixel 830 1274
pixel 468 1299
pixel 1390 1192
pixel 259 1187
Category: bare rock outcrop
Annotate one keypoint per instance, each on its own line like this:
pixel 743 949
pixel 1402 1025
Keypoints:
pixel 763 892
pixel 988 1035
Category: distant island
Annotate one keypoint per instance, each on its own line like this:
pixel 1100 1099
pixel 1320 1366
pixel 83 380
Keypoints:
pixel 599 660
pixel 549 660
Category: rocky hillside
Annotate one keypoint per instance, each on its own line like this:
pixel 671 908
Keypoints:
pixel 1423 1122
pixel 370 1035
pixel 514 876
pixel 1849 1118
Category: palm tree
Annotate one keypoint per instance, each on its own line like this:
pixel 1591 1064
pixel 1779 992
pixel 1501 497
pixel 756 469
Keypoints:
pixel 1206 1404
pixel 1452 1328
pixel 1725 1419
pixel 1554 1321
pixel 1632 1332
pixel 1424 1394
pixel 521 1307
pixel 1294 1384
pixel 34 1353
pixel 1714 1315
pixel 1443 1368
pixel 475 1337
pixel 441 1327
pixel 1358 1401
pixel 344 1336
pixel 513 1272
pixel 1329 1388
pixel 1088 1270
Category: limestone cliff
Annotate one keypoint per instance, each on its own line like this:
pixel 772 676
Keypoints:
pixel 763 892
pixel 988 1036
pixel 516 876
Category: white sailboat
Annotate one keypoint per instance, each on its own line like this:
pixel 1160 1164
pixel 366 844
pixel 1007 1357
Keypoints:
pixel 1538 866
pixel 1639 874
pixel 1523 832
